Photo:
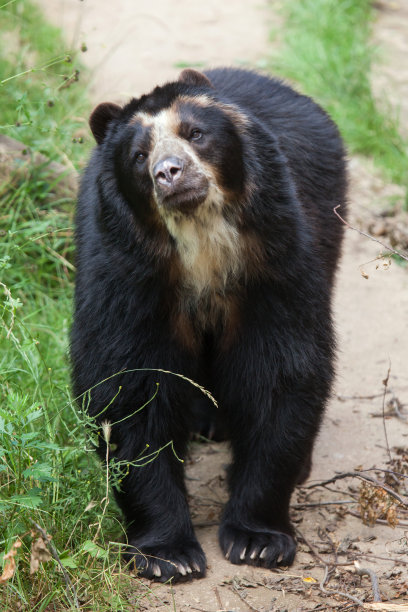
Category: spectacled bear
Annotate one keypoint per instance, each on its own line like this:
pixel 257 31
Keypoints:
pixel 206 247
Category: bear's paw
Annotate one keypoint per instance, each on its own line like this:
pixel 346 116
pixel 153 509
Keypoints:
pixel 264 548
pixel 162 562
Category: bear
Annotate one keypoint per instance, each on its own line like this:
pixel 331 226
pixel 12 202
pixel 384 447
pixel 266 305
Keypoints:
pixel 206 249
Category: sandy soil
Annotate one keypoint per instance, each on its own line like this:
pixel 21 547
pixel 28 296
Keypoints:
pixel 134 45
pixel 391 39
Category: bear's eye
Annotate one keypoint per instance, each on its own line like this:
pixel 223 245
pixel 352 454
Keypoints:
pixel 140 158
pixel 195 134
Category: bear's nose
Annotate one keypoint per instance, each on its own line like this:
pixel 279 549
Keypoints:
pixel 167 171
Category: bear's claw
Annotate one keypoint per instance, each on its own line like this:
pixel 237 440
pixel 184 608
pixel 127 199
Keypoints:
pixel 163 563
pixel 265 548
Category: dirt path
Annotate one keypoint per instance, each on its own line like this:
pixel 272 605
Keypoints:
pixel 130 50
pixel 133 46
pixel 391 38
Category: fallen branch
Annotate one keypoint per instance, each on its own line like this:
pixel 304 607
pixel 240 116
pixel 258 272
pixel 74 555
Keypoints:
pixel 385 383
pixel 376 469
pixel 311 548
pixel 386 607
pixel 340 502
pixel 234 589
pixel 385 246
pixel 378 520
pixel 344 398
pixel 389 559
pixel 361 476
pixel 365 571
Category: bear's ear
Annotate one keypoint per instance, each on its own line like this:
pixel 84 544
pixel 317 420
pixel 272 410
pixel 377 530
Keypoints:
pixel 101 117
pixel 193 77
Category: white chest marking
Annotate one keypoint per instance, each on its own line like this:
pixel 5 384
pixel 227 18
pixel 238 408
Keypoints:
pixel 208 246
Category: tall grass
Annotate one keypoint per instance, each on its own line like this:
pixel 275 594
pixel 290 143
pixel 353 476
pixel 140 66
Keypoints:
pixel 326 48
pixel 42 96
pixel 49 472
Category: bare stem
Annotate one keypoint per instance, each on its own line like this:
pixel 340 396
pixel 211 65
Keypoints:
pixel 385 246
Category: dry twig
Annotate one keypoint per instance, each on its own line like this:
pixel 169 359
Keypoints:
pixel 378 520
pixel 365 571
pixel 334 592
pixel 403 501
pixel 234 588
pixel 319 504
pixel 385 383
pixel 385 246
pixel 311 548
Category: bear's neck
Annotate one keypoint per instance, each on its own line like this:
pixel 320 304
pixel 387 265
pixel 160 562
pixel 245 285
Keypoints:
pixel 208 247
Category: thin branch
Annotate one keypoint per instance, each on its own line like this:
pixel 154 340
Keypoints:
pixel 311 548
pixel 71 592
pixel 393 472
pixel 385 383
pixel 218 597
pixel 339 502
pixel 343 398
pixel 332 592
pixel 365 571
pixel 385 246
pixel 391 492
pixel 389 559
pixel 378 520
pixel 243 598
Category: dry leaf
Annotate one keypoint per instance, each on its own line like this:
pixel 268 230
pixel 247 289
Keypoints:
pixel 309 579
pixel 10 563
pixel 376 503
pixel 39 553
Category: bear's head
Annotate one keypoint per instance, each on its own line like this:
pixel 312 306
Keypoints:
pixel 179 158
pixel 176 147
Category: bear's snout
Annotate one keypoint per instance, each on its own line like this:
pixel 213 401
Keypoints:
pixel 168 171
pixel 179 183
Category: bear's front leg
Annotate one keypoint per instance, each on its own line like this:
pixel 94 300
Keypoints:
pixel 270 448
pixel 150 447
pixel 149 420
pixel 161 540
pixel 274 414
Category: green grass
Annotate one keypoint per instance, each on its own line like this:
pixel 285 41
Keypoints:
pixel 49 472
pixel 326 49
pixel 42 98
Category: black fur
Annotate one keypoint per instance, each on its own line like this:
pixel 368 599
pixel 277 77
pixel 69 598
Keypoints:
pixel 272 377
